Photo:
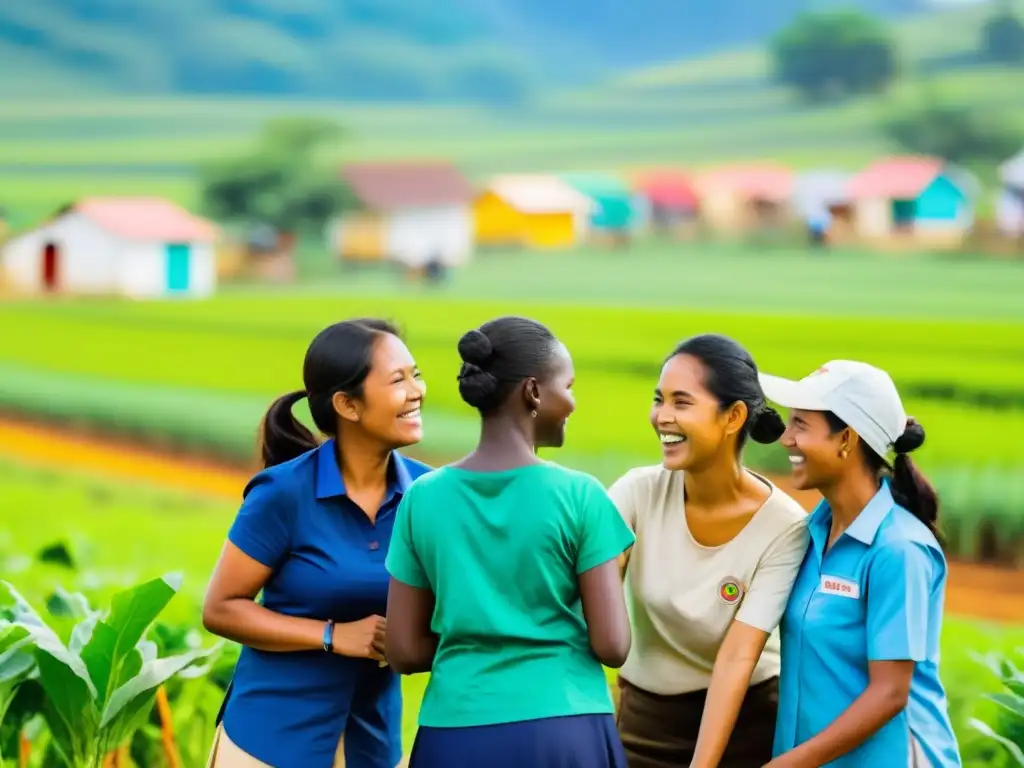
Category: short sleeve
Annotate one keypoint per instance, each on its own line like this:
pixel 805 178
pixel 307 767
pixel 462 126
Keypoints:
pixel 623 494
pixel 402 562
pixel 603 534
pixel 898 598
pixel 263 526
pixel 769 589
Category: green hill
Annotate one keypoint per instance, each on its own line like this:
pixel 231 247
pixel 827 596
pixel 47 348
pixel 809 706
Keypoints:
pixel 721 108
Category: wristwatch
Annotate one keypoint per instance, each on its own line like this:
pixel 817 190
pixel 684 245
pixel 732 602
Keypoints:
pixel 329 636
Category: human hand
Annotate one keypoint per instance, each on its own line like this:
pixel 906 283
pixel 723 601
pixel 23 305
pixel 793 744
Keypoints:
pixel 363 639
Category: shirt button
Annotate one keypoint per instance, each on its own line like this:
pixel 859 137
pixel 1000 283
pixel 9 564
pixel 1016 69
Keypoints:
pixel 374 545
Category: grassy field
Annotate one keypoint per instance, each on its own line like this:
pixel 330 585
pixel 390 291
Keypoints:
pixel 54 147
pixel 202 373
pixel 121 533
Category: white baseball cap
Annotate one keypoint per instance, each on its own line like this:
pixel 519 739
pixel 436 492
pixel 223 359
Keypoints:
pixel 863 396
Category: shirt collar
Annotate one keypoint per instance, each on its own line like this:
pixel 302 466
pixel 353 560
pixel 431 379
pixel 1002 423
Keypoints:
pixel 329 482
pixel 864 528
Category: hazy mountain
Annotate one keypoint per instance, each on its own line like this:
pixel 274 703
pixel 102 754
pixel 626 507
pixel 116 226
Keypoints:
pixel 382 48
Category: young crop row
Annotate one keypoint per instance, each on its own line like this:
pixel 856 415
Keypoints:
pixel 983 506
pixel 942 360
pixel 963 381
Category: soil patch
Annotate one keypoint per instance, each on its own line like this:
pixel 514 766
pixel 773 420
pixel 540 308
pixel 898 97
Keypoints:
pixel 978 591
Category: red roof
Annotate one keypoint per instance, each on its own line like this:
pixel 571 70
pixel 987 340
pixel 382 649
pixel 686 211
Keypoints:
pixel 384 186
pixel 896 178
pixel 673 190
pixel 146 218
pixel 762 181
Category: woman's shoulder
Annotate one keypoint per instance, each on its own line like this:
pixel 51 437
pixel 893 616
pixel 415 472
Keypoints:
pixel 783 509
pixel 650 475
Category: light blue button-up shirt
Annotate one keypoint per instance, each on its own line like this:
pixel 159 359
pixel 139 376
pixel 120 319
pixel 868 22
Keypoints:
pixel 876 595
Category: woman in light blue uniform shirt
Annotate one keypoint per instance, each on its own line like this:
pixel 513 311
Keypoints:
pixel 860 636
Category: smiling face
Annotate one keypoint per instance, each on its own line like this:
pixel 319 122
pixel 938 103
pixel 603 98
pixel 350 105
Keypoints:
pixel 693 427
pixel 817 454
pixel 556 401
pixel 393 392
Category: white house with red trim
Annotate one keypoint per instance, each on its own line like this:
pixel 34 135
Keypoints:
pixel 138 247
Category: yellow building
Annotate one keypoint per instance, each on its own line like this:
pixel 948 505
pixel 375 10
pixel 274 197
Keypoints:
pixel 530 210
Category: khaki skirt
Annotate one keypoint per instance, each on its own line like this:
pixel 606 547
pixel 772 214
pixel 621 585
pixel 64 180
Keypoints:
pixel 226 754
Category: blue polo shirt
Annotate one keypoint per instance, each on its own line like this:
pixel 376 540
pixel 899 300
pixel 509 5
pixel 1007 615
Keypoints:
pixel 876 595
pixel 290 709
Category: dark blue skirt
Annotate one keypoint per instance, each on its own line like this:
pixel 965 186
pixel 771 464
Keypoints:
pixel 578 741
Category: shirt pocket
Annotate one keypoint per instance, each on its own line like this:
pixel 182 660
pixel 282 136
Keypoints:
pixel 832 611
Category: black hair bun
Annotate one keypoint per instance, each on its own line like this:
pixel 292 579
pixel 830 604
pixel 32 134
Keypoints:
pixel 475 348
pixel 767 426
pixel 477 387
pixel 911 439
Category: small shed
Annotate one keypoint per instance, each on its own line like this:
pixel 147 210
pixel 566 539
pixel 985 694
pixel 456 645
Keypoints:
pixel 1010 208
pixel 821 200
pixel 138 247
pixel 916 199
pixel 672 199
pixel 746 197
pixel 616 209
pixel 415 213
pixel 533 210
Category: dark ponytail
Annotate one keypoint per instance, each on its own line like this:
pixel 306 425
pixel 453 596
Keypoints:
pixel 910 488
pixel 338 360
pixel 730 374
pixel 282 436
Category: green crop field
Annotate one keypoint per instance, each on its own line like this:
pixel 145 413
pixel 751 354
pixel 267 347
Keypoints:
pixel 200 373
pixel 120 534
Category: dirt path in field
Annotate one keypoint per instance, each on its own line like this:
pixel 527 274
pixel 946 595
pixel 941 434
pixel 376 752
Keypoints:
pixel 977 591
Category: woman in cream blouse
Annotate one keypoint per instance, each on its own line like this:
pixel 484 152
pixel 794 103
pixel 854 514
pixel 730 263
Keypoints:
pixel 717 551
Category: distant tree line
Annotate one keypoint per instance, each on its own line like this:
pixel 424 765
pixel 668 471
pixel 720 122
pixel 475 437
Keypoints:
pixel 841 53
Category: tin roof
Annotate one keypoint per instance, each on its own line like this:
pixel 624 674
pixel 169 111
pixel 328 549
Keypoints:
pixel 391 185
pixel 145 218
pixel 896 178
pixel 767 181
pixel 669 188
pixel 538 193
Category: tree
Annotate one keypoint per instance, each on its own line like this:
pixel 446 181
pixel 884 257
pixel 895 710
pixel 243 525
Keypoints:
pixel 1002 37
pixel 954 132
pixel 834 53
pixel 279 182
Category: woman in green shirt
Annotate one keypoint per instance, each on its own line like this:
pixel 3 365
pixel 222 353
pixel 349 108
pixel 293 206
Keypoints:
pixel 504 576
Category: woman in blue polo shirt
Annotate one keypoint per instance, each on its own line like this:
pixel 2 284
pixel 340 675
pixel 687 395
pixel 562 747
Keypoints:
pixel 860 636
pixel 312 534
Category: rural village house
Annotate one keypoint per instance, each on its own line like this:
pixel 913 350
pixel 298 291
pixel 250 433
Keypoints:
pixel 532 210
pixel 1010 208
pixel 746 197
pixel 139 247
pixel 917 199
pixel 672 199
pixel 617 211
pixel 415 213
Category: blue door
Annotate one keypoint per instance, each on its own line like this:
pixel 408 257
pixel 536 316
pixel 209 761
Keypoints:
pixel 178 259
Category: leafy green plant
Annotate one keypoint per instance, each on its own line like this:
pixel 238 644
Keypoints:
pixel 17 664
pixel 1008 730
pixel 100 686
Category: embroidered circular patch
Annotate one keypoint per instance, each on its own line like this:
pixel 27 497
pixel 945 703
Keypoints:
pixel 730 591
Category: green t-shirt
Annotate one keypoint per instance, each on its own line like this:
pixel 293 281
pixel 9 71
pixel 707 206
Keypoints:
pixel 501 552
